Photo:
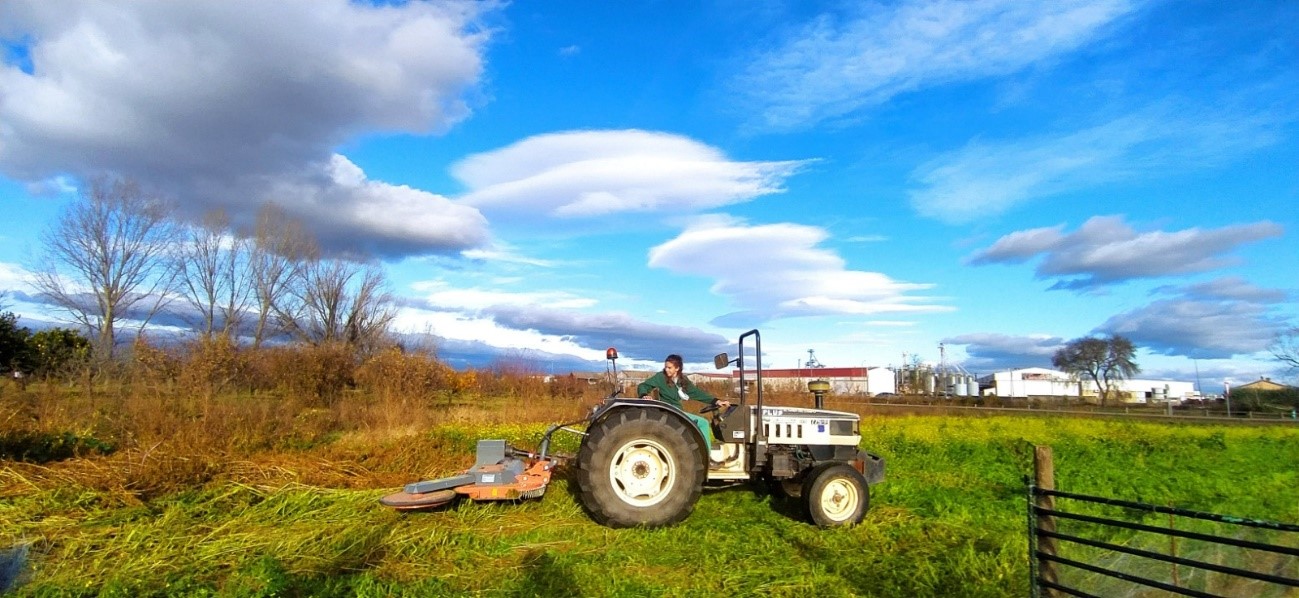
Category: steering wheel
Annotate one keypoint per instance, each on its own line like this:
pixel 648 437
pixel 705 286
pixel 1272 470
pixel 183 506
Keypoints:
pixel 722 415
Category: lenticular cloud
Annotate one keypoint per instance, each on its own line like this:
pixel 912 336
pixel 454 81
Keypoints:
pixel 585 174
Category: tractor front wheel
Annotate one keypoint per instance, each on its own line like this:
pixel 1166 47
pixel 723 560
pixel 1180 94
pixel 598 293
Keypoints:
pixel 836 495
pixel 640 467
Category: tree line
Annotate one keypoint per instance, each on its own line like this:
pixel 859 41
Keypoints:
pixel 119 256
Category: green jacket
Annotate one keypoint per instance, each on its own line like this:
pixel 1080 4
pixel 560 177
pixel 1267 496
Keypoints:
pixel 668 392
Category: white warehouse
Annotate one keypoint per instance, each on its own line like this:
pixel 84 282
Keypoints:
pixel 843 381
pixel 1048 383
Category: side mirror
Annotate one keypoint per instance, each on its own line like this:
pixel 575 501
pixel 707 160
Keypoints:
pixel 721 360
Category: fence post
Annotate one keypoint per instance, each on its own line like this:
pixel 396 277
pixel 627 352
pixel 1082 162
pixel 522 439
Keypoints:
pixel 1044 479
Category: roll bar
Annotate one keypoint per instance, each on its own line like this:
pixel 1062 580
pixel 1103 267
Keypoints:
pixel 758 435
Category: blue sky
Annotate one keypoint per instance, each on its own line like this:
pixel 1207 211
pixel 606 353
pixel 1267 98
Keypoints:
pixel 865 179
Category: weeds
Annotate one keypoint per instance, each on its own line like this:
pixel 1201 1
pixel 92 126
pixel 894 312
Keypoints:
pixel 207 473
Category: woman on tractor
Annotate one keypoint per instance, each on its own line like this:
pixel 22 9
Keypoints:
pixel 675 388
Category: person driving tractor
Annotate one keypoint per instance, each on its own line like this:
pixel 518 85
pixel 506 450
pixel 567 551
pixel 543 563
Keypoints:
pixel 675 388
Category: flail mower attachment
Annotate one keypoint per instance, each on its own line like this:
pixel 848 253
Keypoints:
pixel 500 472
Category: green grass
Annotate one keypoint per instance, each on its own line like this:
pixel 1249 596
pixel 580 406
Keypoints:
pixel 948 521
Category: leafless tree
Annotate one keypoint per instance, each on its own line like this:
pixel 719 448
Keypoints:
pixel 107 258
pixel 1285 349
pixel 278 256
pixel 213 275
pixel 340 301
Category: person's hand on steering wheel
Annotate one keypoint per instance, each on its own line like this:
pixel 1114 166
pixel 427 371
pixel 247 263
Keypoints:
pixel 716 406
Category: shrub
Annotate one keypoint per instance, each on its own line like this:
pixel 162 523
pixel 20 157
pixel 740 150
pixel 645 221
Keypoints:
pixel 394 375
pixel 317 374
pixel 152 366
pixel 213 365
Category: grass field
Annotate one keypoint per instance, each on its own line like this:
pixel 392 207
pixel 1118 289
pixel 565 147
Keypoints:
pixel 136 492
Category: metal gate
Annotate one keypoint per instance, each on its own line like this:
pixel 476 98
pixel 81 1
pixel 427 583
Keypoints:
pixel 1048 560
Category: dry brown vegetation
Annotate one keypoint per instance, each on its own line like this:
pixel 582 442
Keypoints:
pixel 179 418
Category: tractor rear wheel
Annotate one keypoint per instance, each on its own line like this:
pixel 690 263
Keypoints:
pixel 640 467
pixel 836 495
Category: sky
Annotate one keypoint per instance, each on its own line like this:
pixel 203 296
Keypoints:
pixel 967 183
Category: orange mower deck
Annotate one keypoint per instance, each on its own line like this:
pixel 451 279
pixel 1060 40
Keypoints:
pixel 496 476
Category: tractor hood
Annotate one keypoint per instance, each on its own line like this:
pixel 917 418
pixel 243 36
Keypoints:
pixel 802 412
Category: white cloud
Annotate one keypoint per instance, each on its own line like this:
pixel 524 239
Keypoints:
pixel 506 257
pixel 14 277
pixel 1233 288
pixel 777 271
pixel 1106 250
pixel 984 179
pixel 989 351
pixel 440 295
pixel 834 67
pixel 589 174
pixel 632 337
pixel 349 211
pixel 516 323
pixel 1198 328
pixel 223 104
pixel 487 333
pixel 1020 245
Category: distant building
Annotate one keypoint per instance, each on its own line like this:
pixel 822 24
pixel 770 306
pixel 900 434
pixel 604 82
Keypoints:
pixel 1028 382
pixel 1047 383
pixel 843 381
pixel 1140 390
pixel 1263 384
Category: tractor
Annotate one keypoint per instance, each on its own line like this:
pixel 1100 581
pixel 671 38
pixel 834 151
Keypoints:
pixel 643 462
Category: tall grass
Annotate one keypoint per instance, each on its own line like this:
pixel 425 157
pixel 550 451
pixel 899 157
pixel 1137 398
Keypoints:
pixel 220 478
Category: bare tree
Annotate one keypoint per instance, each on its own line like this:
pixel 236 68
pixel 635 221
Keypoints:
pixel 1285 349
pixel 277 259
pixel 1105 361
pixel 339 301
pixel 213 275
pixel 106 259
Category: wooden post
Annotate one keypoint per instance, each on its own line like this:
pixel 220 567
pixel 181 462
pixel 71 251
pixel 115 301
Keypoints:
pixel 1044 479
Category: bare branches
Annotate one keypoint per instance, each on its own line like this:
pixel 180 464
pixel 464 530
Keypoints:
pixel 117 255
pixel 339 301
pixel 277 259
pixel 106 259
pixel 212 268
pixel 1285 349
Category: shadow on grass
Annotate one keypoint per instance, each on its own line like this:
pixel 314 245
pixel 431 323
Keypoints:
pixel 781 504
pixel 13 567
pixel 545 575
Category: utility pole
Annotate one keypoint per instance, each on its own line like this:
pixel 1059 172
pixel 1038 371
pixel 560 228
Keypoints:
pixel 940 385
pixel 1198 390
pixel 904 385
pixel 1226 394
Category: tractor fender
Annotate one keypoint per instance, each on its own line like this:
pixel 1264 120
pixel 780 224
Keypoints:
pixel 615 405
pixel 871 466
